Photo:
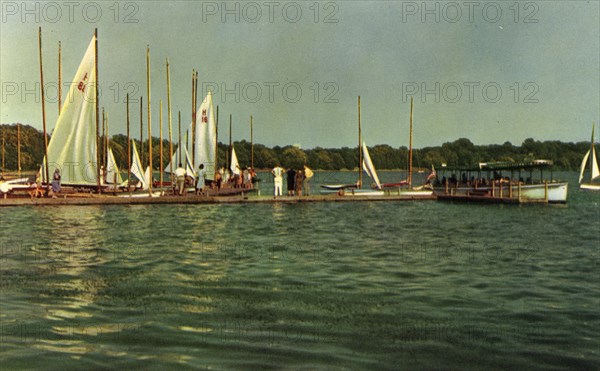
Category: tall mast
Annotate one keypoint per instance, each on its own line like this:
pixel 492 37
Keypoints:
pixel 59 77
pixel 103 154
pixel 359 148
pixel 160 144
pixel 106 142
pixel 18 151
pixel 170 123
pixel 193 116
pixel 128 148
pixel 179 144
pixel 106 146
pixel 592 153
pixel 410 142
pixel 3 144
pixel 141 131
pixel 97 111
pixel 149 118
pixel 43 110
pixel 216 168
pixel 251 144
pixel 230 144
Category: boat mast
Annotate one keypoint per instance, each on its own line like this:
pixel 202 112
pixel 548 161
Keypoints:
pixel 105 144
pixel 59 77
pixel 43 109
pixel 216 167
pixel 141 131
pixel 410 140
pixel 18 151
pixel 592 153
pixel 97 112
pixel 179 144
pixel 160 144
pixel 360 160
pixel 149 118
pixel 103 153
pixel 230 145
pixel 128 148
pixel 193 117
pixel 3 144
pixel 170 122
pixel 251 144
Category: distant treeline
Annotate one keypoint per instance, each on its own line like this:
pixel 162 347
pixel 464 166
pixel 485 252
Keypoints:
pixel 461 152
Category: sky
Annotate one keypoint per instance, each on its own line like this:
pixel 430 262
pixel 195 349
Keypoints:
pixel 489 71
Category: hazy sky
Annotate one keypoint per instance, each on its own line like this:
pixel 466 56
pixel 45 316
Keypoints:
pixel 488 71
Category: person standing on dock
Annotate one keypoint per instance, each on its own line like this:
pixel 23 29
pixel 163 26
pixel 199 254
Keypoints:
pixel 200 183
pixel 277 173
pixel 291 181
pixel 180 174
pixel 308 174
pixel 55 183
pixel 299 182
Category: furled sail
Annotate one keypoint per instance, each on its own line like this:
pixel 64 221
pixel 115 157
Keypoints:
pixel 368 166
pixel 113 176
pixel 136 167
pixel 72 147
pixel 189 170
pixel 235 165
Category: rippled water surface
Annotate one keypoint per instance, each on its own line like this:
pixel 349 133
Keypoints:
pixel 377 285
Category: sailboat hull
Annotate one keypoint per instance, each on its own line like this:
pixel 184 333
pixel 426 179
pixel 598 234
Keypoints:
pixel 590 186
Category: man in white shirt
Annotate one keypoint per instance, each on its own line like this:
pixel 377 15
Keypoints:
pixel 277 173
pixel 180 174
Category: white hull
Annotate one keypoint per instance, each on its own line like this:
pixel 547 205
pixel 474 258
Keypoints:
pixel 354 192
pixel 557 192
pixel 145 194
pixel 590 186
pixel 415 193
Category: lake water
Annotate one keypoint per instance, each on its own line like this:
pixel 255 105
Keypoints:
pixel 374 285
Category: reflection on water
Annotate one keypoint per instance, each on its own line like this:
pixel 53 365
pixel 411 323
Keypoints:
pixel 339 285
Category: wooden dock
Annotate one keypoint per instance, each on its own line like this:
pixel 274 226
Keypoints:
pixel 93 199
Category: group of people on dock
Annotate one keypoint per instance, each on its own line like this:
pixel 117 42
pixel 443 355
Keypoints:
pixel 298 181
pixel 239 179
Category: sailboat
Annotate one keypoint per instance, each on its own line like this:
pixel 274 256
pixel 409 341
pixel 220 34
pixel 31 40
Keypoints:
pixel 365 164
pixel 72 147
pixel 136 168
pixel 113 175
pixel 143 177
pixel 593 166
pixel 235 165
pixel 189 169
pixel 206 137
pixel 410 191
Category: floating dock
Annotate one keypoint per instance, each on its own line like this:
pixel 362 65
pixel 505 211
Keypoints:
pixel 93 199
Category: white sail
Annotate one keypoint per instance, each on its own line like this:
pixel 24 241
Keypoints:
pixel 136 167
pixel 595 170
pixel 368 166
pixel 147 179
pixel 113 176
pixel 72 147
pixel 206 137
pixel 583 165
pixel 235 165
pixel 189 170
